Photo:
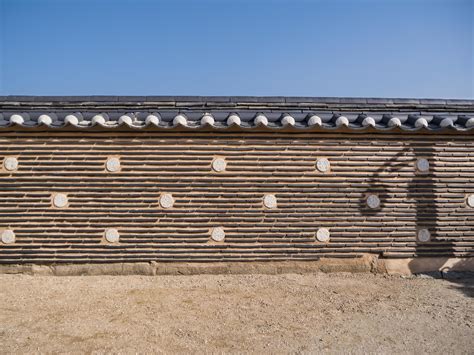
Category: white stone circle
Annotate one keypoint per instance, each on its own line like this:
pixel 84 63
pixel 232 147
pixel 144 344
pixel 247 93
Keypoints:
pixel 423 165
pixel 113 164
pixel 166 200
pixel 424 235
pixel 8 236
pixel 10 163
pixel 323 235
pixel 470 200
pixel 60 200
pixel 323 165
pixel 270 201
pixel 373 201
pixel 218 234
pixel 112 235
pixel 219 164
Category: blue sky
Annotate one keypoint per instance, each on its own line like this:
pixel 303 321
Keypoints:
pixel 415 48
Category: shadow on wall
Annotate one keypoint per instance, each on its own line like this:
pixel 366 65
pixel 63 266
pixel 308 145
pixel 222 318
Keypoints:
pixel 421 191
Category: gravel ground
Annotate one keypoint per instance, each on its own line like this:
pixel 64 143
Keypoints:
pixel 235 313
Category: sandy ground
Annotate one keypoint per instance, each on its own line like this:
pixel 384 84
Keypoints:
pixel 235 313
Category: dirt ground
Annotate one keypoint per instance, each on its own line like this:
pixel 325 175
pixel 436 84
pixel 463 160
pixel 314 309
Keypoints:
pixel 235 313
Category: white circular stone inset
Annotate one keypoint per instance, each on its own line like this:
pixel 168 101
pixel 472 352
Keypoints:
pixel 166 200
pixel 112 164
pixel 323 165
pixel 218 234
pixel 373 201
pixel 270 201
pixel 8 236
pixel 470 200
pixel 323 235
pixel 424 235
pixel 112 235
pixel 219 164
pixel 60 200
pixel 10 163
pixel 423 165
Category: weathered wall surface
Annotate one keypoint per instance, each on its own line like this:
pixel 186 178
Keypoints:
pixel 280 164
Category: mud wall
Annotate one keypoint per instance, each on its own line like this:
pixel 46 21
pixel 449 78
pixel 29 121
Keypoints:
pixel 122 197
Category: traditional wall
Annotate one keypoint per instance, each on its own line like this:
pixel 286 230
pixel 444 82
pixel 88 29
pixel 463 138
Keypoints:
pixel 111 196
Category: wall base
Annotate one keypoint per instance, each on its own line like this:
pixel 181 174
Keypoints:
pixel 366 263
pixel 422 265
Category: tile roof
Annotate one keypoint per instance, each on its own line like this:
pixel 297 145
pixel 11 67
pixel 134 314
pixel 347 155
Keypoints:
pixel 236 113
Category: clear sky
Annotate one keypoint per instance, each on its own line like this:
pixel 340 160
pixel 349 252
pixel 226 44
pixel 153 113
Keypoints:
pixel 416 48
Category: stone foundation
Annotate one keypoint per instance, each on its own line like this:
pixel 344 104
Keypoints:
pixel 366 263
